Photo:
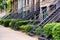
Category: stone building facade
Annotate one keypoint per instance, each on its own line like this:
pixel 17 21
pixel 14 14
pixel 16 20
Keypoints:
pixel 41 7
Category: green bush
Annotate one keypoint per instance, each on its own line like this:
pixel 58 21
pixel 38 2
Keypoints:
pixel 26 28
pixel 12 23
pixel 6 22
pixel 56 32
pixel 1 21
pixel 38 31
pixel 22 27
pixel 1 6
pixel 9 7
pixel 19 23
pixel 48 28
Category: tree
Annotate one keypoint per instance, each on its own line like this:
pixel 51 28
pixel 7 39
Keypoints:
pixel 1 1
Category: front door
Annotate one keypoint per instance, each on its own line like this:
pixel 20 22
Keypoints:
pixel 44 9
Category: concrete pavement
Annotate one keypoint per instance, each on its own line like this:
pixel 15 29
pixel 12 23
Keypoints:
pixel 8 34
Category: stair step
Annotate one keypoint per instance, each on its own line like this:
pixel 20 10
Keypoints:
pixel 31 34
pixel 42 38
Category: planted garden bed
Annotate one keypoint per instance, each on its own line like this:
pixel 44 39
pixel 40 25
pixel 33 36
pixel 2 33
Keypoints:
pixel 51 32
pixel 17 24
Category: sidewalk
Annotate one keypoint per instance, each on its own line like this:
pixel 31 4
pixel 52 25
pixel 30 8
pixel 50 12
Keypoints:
pixel 8 34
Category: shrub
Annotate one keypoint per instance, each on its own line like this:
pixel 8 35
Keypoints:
pixel 1 6
pixel 12 23
pixel 1 21
pixel 56 32
pixel 19 23
pixel 22 27
pixel 48 28
pixel 6 22
pixel 26 28
pixel 38 31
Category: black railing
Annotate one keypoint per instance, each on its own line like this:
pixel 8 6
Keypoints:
pixel 12 14
pixel 32 14
pixel 51 17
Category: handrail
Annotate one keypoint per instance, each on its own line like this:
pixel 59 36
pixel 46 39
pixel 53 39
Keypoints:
pixel 11 13
pixel 47 10
pixel 49 17
pixel 32 13
pixel 41 12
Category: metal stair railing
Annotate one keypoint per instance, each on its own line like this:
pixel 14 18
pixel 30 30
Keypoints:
pixel 11 14
pixel 30 15
pixel 27 17
pixel 50 17
pixel 48 11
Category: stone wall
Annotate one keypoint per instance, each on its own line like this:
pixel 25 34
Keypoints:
pixel 15 6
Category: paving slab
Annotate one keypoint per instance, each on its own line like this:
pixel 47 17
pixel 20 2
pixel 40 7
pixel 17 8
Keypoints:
pixel 8 34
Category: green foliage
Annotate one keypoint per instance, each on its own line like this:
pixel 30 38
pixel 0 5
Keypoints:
pixel 26 28
pixel 38 31
pixel 19 23
pixel 53 29
pixel 1 1
pixel 1 6
pixel 56 31
pixel 6 22
pixel 12 23
pixel 9 7
pixel 22 27
pixel 48 28
pixel 1 22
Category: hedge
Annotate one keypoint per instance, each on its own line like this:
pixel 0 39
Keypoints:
pixel 5 22
pixel 38 31
pixel 48 28
pixel 26 28
pixel 56 32
pixel 24 22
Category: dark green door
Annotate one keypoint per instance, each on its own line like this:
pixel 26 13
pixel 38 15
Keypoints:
pixel 44 9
